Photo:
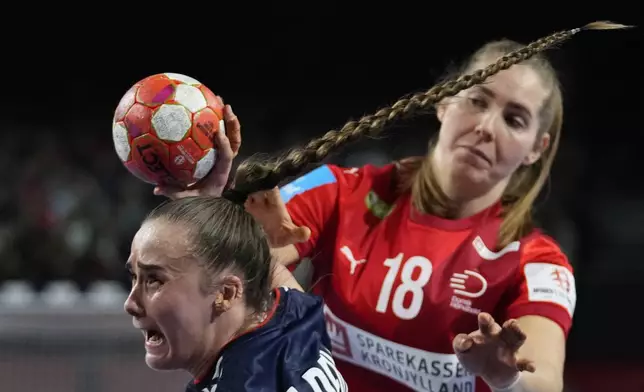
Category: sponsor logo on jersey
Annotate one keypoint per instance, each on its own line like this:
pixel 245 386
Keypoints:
pixel 417 369
pixel 313 179
pixel 551 283
pixel 467 286
pixel 346 251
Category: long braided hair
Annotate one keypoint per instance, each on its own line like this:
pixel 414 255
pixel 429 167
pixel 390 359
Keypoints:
pixel 255 175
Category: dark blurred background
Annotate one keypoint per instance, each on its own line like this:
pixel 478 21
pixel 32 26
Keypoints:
pixel 68 208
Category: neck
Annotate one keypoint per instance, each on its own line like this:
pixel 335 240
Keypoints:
pixel 474 206
pixel 435 192
pixel 225 328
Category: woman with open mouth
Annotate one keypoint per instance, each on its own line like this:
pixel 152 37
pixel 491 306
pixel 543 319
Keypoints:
pixel 201 295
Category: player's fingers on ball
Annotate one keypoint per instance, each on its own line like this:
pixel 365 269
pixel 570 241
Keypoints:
pixel 231 120
pixel 487 325
pixel 462 343
pixel 512 334
pixel 224 162
pixel 167 191
pixel 179 194
pixel 233 128
pixel 222 143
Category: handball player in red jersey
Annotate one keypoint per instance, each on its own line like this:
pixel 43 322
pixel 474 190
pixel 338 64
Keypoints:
pixel 433 274
pixel 411 256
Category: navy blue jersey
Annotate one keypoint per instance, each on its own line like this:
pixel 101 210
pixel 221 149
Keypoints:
pixel 289 352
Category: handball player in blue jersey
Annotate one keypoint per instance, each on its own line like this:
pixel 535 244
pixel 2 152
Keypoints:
pixel 203 297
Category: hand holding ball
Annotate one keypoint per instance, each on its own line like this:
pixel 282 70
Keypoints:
pixel 163 129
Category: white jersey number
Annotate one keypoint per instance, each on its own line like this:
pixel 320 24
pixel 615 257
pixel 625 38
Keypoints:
pixel 408 284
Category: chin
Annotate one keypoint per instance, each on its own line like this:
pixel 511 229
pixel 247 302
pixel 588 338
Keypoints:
pixel 469 175
pixel 161 363
pixel 478 179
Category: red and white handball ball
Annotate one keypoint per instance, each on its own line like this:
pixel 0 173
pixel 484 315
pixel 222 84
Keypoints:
pixel 163 129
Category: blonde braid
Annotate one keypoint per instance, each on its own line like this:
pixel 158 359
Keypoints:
pixel 256 176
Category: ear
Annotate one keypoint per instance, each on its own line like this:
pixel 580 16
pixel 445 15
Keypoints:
pixel 230 291
pixel 539 147
pixel 440 110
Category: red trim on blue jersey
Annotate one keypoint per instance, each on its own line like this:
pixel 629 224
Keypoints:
pixel 268 318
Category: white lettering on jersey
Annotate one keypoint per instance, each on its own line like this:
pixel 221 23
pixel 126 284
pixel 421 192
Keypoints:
pixel 346 251
pixel 487 254
pixel 323 377
pixel 551 283
pixel 417 369
pixel 463 304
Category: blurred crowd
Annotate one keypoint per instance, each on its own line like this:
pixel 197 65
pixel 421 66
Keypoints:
pixel 69 209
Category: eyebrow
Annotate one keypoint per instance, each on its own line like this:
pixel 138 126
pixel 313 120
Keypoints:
pixel 515 105
pixel 144 267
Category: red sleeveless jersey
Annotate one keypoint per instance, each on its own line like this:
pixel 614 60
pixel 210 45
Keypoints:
pixel 400 285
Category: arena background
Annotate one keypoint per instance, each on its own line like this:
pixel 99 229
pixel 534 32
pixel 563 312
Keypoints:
pixel 68 209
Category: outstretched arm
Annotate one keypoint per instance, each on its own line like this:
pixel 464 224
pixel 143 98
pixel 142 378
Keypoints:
pixel 523 355
pixel 549 363
pixel 527 353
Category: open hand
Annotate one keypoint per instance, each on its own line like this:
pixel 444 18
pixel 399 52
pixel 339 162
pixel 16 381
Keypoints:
pixel 491 351
pixel 268 208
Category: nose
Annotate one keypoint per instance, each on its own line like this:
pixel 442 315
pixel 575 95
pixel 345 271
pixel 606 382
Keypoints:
pixel 486 126
pixel 133 305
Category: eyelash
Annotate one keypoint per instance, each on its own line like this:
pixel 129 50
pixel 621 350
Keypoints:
pixel 512 120
pixel 477 102
pixel 150 280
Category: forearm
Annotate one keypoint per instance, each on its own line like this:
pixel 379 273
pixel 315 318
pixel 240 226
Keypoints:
pixel 539 381
pixel 286 255
pixel 283 277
